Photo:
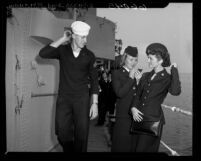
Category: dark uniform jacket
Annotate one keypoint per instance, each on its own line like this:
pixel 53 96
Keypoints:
pixel 111 99
pixel 151 93
pixel 125 89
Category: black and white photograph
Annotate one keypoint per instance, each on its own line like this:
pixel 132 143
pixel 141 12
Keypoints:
pixel 113 80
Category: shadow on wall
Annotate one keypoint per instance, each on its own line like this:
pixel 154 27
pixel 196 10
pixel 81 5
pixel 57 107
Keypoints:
pixel 55 64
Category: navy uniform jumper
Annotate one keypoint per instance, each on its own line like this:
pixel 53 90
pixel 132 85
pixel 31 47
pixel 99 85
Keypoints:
pixel 125 89
pixel 73 102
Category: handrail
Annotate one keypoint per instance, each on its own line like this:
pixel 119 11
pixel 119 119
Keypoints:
pixel 176 109
pixel 173 152
pixel 43 94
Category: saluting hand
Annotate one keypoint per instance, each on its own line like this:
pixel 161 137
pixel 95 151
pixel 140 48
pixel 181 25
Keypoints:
pixel 136 114
pixel 67 34
pixel 65 39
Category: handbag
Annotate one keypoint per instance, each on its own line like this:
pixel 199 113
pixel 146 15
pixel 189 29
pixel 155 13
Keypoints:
pixel 152 128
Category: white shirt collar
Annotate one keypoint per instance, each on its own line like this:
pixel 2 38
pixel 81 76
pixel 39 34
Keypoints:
pixel 76 53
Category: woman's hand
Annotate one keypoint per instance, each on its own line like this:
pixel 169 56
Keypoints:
pixel 136 114
pixel 138 75
pixel 170 67
pixel 173 64
pixel 135 73
pixel 132 73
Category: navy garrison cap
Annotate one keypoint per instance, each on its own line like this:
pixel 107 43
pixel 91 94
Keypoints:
pixel 132 51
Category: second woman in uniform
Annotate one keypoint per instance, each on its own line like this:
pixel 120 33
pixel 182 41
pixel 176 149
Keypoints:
pixel 152 90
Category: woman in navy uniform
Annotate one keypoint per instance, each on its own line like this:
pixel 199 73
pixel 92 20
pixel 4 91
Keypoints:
pixel 152 90
pixel 124 81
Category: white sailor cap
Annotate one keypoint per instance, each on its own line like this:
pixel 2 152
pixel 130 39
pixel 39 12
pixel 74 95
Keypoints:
pixel 80 28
